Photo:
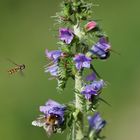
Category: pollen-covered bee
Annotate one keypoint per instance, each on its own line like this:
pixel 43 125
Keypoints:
pixel 17 68
pixel 49 123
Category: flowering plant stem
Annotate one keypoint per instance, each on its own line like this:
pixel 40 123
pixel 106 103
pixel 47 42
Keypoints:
pixel 79 123
pixel 77 49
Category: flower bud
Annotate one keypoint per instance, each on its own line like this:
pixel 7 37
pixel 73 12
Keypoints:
pixel 90 25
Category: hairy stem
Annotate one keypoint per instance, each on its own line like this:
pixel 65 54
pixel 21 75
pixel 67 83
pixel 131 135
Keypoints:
pixel 78 86
pixel 78 104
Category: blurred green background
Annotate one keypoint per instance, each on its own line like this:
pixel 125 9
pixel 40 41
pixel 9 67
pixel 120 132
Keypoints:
pixel 26 30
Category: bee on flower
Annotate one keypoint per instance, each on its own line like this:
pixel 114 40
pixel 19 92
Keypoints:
pixel 53 117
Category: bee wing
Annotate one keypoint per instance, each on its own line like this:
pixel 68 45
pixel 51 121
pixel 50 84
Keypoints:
pixel 49 129
pixel 40 121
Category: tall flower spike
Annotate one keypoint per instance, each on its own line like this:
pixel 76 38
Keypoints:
pixel 71 61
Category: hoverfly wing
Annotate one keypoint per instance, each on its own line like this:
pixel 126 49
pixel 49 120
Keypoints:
pixel 40 121
pixel 12 62
pixel 21 73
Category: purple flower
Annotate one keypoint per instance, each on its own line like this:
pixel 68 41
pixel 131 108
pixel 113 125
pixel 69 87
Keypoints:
pixel 91 77
pixel 89 91
pixel 101 48
pixel 66 35
pixel 96 122
pixel 53 69
pixel 93 89
pixel 82 61
pixel 53 55
pixel 53 108
pixel 98 85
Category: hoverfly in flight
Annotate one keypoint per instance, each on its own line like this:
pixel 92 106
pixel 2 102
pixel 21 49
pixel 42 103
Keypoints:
pixel 17 68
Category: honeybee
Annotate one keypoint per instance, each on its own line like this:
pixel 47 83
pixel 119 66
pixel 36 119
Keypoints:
pixel 49 123
pixel 17 68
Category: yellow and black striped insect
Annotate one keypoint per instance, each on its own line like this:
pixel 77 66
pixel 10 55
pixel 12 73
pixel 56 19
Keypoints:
pixel 17 68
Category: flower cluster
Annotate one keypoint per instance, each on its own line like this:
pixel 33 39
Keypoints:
pixel 76 54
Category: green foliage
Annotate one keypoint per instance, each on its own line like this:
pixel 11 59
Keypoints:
pixel 65 71
pixel 73 11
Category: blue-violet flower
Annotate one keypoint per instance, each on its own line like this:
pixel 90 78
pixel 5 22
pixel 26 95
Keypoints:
pixel 53 108
pixel 82 61
pixel 66 35
pixel 53 55
pixel 93 89
pixel 101 48
pixel 96 123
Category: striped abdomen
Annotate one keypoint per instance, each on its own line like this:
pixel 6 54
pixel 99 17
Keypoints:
pixel 14 70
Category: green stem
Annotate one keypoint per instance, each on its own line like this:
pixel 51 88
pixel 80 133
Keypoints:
pixel 78 87
pixel 78 104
